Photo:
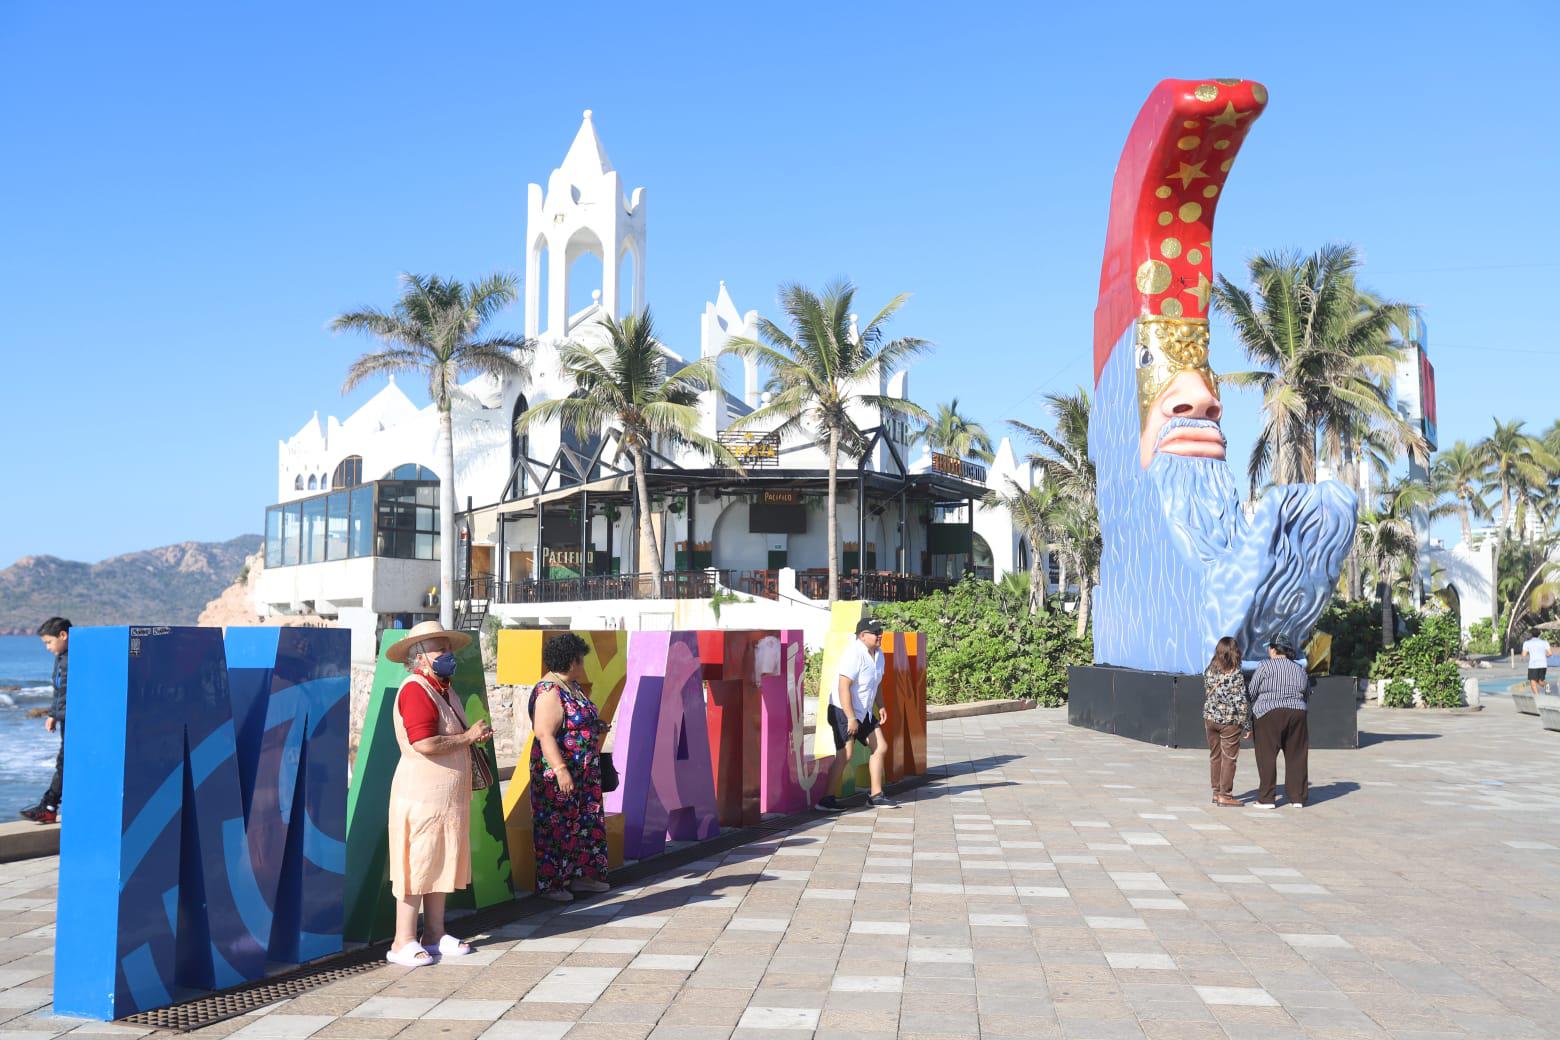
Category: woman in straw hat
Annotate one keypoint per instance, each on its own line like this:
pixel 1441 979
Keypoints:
pixel 430 797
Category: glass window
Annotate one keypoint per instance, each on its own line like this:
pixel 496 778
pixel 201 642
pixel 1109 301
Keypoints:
pixel 349 473
pixel 298 482
pixel 273 536
pixel 407 512
pixel 312 485
pixel 292 526
pixel 336 518
pixel 362 537
pixel 313 530
pixel 411 471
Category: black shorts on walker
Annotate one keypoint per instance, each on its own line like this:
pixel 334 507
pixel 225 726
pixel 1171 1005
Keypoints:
pixel 839 724
pixel 1537 674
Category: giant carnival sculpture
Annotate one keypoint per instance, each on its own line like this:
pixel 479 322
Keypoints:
pixel 1183 564
pixel 215 835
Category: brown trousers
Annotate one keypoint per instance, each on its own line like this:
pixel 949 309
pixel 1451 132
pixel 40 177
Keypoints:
pixel 1286 730
pixel 1223 746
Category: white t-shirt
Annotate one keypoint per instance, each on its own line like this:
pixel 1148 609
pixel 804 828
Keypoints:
pixel 864 669
pixel 1537 653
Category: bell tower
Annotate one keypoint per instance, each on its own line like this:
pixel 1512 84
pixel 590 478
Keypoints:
pixel 582 211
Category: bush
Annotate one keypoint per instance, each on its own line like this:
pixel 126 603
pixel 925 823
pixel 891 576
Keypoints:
pixel 1355 628
pixel 981 644
pixel 1398 693
pixel 1481 638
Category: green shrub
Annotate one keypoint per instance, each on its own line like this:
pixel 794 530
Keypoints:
pixel 1428 659
pixel 1355 628
pixel 1440 686
pixel 981 644
pixel 1397 694
pixel 1481 638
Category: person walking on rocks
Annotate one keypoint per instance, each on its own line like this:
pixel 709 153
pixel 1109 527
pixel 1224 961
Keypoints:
pixel 1537 650
pixel 55 634
pixel 1278 693
pixel 855 715
pixel 430 795
pixel 1226 718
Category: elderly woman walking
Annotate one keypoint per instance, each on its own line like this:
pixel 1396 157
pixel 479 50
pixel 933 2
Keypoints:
pixel 1226 718
pixel 430 797
pixel 570 828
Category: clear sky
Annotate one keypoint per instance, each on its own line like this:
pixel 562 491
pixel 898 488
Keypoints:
pixel 191 191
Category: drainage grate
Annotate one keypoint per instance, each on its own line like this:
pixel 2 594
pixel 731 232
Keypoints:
pixel 217 1007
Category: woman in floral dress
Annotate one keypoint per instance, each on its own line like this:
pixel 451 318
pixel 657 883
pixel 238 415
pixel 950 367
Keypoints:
pixel 1226 718
pixel 569 826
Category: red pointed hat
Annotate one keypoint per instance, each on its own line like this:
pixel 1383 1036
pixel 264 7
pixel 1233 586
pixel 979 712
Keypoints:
pixel 1158 246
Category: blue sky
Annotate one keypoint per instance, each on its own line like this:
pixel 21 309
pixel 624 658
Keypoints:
pixel 191 192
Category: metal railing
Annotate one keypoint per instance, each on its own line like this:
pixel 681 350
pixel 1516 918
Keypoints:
pixel 882 587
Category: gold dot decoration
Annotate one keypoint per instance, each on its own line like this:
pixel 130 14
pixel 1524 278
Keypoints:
pixel 1153 276
pixel 1210 191
pixel 1188 142
pixel 1191 124
pixel 1205 92
pixel 1162 192
pixel 1165 218
pixel 1259 93
pixel 1226 164
pixel 1170 248
pixel 1170 308
pixel 1190 211
pixel 1194 256
pixel 1228 82
pixel 1220 145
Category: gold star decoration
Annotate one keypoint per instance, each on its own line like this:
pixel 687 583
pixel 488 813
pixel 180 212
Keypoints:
pixel 1200 290
pixel 1188 173
pixel 1229 117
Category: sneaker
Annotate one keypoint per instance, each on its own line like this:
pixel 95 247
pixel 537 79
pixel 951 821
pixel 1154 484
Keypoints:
pixel 829 803
pixel 559 895
pixel 590 885
pixel 881 801
pixel 1297 805
pixel 1264 805
pixel 46 816
pixel 30 814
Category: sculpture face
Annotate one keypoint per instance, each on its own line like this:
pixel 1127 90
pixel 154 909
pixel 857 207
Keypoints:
pixel 1184 562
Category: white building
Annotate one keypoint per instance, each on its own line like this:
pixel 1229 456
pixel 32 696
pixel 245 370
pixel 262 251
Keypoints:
pixel 548 529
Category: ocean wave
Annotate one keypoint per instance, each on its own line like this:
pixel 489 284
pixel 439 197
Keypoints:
pixel 25 696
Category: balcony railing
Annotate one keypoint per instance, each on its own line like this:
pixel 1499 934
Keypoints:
pixel 881 587
pixel 954 466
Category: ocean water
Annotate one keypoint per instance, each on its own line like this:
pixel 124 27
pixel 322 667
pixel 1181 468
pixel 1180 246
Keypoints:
pixel 27 750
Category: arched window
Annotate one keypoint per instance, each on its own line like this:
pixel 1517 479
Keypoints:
pixel 349 473
pixel 519 445
pixel 410 471
pixel 298 482
pixel 313 484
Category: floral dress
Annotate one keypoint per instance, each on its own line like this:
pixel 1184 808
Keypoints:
pixel 1225 702
pixel 569 829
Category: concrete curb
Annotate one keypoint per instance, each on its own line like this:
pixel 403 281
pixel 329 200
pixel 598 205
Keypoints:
pixel 938 712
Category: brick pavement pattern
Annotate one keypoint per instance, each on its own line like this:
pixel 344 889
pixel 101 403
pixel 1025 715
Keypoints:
pixel 1049 882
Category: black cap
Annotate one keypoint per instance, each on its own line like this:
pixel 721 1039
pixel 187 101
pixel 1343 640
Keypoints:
pixel 1281 644
pixel 868 624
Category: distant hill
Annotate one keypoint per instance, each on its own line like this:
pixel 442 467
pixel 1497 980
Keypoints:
pixel 166 586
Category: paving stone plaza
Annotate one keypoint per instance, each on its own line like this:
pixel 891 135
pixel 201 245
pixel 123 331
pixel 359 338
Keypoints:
pixel 1047 882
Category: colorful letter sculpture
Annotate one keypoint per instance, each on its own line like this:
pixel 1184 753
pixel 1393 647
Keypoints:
pixel 667 787
pixel 207 834
pixel 904 698
pixel 1182 564
pixel 731 663
pixel 791 777
pixel 370 913
pixel 520 665
pixel 842 629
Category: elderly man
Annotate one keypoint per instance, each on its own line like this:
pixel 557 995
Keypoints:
pixel 1278 693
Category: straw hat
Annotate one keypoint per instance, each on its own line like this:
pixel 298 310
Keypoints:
pixel 425 630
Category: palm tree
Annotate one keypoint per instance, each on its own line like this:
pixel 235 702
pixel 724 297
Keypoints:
pixel 435 329
pixel 1030 510
pixel 1326 351
pixel 958 435
pixel 1387 538
pixel 1516 461
pixel 819 372
pixel 625 383
pixel 1459 473
pixel 1064 454
pixel 1074 525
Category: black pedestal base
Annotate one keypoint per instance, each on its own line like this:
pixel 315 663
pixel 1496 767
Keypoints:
pixel 1165 708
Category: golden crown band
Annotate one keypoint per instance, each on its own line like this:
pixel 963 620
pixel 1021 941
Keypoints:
pixel 1166 347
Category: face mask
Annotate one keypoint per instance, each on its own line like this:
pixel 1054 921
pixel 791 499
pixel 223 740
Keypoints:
pixel 444 665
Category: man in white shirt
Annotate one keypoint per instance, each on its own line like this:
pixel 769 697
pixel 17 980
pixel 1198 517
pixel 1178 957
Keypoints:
pixel 855 714
pixel 1537 651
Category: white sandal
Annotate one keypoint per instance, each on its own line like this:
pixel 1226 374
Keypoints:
pixel 590 885
pixel 407 956
pixel 449 946
pixel 559 895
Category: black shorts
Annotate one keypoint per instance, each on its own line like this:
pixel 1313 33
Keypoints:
pixel 1537 674
pixel 839 724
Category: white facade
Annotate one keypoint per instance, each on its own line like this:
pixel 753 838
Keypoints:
pixel 584 210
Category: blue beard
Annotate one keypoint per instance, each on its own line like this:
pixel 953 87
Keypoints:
pixel 1183 565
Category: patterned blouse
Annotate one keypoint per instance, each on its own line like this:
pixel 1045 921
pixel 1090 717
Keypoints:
pixel 1225 702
